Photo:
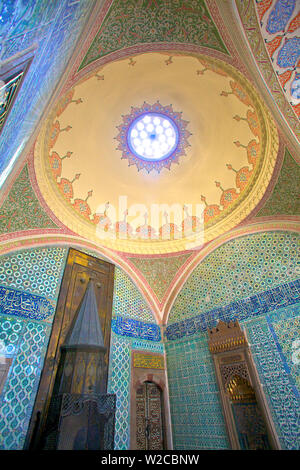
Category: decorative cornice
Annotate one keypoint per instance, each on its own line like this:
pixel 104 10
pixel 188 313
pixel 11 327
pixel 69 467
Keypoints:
pixel 226 337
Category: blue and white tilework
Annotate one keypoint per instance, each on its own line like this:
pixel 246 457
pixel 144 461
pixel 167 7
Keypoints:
pixel 239 269
pixel 30 285
pixel 128 301
pixel 37 271
pixel 135 329
pixel 196 413
pixel 279 370
pixel 53 27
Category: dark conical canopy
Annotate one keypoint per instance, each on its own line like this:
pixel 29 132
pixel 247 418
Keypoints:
pixel 86 330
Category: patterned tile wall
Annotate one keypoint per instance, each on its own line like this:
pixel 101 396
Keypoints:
pixel 238 269
pixel 130 311
pixel 30 281
pixel 159 271
pixel 197 419
pixel 265 266
pixel 284 198
pixel 195 408
pixel 128 301
pixel 26 342
pixel 21 209
pixel 33 277
pixel 119 381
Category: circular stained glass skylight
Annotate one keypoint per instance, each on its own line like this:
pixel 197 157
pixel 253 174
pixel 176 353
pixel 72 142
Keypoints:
pixel 153 136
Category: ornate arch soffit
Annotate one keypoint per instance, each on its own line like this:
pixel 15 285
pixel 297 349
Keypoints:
pixel 286 224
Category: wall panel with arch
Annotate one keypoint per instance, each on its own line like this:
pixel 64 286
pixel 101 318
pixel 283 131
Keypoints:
pixel 254 279
pixel 30 281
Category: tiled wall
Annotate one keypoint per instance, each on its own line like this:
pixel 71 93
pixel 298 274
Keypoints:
pixel 275 344
pixel 263 293
pixel 196 414
pixel 133 327
pixel 29 287
pixel 195 407
pixel 239 269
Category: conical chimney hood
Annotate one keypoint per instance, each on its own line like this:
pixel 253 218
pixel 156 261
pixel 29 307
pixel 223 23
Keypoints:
pixel 86 330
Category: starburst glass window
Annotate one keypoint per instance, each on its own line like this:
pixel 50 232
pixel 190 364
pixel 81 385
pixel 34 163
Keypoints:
pixel 153 136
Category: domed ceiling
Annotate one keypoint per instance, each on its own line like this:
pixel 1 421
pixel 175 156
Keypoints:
pixel 226 153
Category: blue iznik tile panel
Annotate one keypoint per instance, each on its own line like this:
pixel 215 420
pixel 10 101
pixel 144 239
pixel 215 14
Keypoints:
pixel 119 381
pixel 26 342
pixel 36 271
pixel 54 26
pixel 133 327
pixel 237 270
pixel 241 310
pixel 30 282
pixel 25 305
pixel 274 338
pixel 275 345
pixel 196 414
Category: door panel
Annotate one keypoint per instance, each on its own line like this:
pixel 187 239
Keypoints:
pixel 80 267
pixel 149 425
pixel 155 417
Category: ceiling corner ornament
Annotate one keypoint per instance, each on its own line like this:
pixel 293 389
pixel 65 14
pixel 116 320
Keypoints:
pixel 159 153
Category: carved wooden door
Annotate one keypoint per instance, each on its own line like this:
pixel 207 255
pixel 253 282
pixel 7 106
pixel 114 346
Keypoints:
pixel 80 268
pixel 149 425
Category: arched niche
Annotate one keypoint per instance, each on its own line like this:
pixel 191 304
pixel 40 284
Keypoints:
pixel 247 417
